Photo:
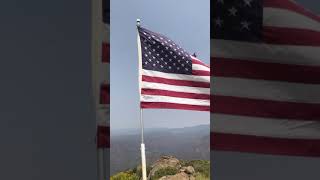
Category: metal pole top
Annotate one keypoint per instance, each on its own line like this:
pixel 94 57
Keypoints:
pixel 138 22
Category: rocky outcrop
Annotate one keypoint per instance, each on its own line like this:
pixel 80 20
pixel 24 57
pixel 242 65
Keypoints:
pixel 179 176
pixel 183 173
pixel 164 162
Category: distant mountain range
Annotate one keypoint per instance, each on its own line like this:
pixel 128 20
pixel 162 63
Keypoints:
pixel 186 143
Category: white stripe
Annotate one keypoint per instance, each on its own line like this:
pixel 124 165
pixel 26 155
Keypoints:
pixel 187 89
pixel 299 55
pixel 276 128
pixel 200 67
pixel 103 72
pixel 105 32
pixel 103 114
pixel 288 19
pixel 194 58
pixel 269 90
pixel 176 76
pixel 167 99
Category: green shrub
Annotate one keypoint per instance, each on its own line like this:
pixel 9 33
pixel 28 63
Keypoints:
pixel 200 176
pixel 129 175
pixel 164 172
pixel 138 170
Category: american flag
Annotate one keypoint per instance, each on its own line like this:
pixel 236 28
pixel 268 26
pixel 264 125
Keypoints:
pixel 171 77
pixel 265 77
pixel 100 58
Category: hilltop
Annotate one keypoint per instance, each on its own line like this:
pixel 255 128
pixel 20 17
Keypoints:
pixel 184 143
pixel 169 168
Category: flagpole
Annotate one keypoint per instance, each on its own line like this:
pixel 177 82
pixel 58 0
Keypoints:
pixel 142 148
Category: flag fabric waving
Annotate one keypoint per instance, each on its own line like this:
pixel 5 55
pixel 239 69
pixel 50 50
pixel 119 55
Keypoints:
pixel 100 58
pixel 266 77
pixel 170 77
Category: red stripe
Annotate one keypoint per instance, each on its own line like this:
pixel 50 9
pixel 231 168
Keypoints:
pixel 289 5
pixel 105 52
pixel 105 94
pixel 174 94
pixel 265 145
pixel 103 137
pixel 175 82
pixel 264 108
pixel 290 36
pixel 162 105
pixel 200 73
pixel 196 61
pixel 225 67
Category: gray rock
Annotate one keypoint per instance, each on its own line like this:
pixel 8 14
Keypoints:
pixel 164 162
pixel 179 176
pixel 188 170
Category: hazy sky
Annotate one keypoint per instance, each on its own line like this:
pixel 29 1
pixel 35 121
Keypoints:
pixel 185 22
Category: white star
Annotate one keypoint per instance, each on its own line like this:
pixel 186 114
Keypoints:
pixel 150 60
pixel 145 48
pixel 233 11
pixel 218 22
pixel 182 65
pixel 146 62
pixel 169 67
pixel 154 64
pixel 245 25
pixel 174 64
pixel 187 69
pixel 178 68
pixel 158 62
pixel 166 55
pixel 247 2
pixel 161 66
pixel 153 50
pixel 220 1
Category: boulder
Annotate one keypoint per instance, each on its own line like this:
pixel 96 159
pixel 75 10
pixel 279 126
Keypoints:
pixel 188 170
pixel 179 176
pixel 164 162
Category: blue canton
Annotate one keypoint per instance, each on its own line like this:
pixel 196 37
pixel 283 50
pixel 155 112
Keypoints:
pixel 239 20
pixel 161 54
